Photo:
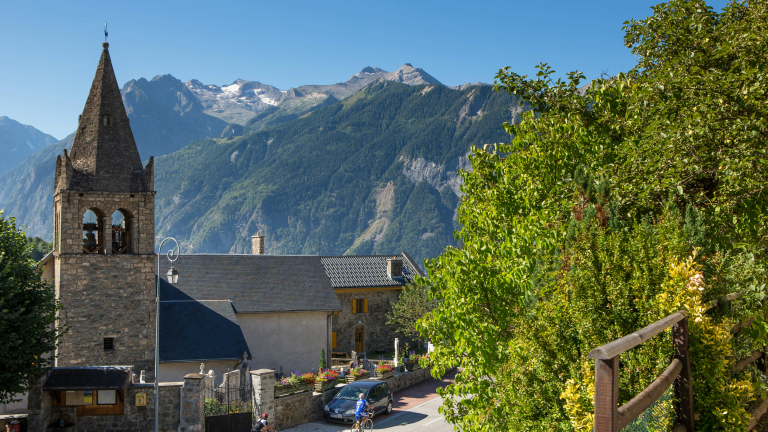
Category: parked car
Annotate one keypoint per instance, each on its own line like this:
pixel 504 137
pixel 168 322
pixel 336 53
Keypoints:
pixel 342 407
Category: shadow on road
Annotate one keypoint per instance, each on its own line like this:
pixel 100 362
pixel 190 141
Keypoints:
pixel 405 418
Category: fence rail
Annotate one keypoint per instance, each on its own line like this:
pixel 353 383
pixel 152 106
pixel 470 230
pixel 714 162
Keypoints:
pixel 609 417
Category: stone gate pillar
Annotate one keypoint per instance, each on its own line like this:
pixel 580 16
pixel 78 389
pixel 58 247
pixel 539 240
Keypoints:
pixel 263 381
pixel 192 416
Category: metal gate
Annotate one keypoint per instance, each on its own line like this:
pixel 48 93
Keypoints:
pixel 228 409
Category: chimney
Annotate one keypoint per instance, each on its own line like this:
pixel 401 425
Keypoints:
pixel 394 268
pixel 257 244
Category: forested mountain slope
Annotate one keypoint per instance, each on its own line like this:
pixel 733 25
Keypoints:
pixel 374 173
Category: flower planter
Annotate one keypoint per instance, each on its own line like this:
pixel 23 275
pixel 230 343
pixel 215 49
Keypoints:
pixel 385 375
pixel 302 387
pixel 409 365
pixel 324 386
pixel 284 391
pixel 350 379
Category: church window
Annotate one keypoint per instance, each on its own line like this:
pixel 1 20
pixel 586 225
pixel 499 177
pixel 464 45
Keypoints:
pixel 109 343
pixel 121 234
pixel 91 232
pixel 107 121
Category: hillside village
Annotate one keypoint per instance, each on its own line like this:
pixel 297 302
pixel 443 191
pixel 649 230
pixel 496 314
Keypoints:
pixel 548 253
pixel 229 312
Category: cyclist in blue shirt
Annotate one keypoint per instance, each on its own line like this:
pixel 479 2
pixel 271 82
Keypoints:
pixel 360 409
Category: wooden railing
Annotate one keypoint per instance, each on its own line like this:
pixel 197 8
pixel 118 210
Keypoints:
pixel 609 417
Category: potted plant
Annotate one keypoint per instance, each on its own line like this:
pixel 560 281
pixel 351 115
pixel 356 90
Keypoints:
pixel 326 380
pixel 356 374
pixel 286 386
pixel 306 381
pixel 384 371
pixel 411 361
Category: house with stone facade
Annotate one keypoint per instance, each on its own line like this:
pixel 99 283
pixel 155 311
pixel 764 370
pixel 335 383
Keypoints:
pixel 366 287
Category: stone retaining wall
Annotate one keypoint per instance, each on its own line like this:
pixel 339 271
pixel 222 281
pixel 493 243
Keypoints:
pixel 180 409
pixel 300 408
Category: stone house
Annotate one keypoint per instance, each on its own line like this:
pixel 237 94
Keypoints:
pixel 366 287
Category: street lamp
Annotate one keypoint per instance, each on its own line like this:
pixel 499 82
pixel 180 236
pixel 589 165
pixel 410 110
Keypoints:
pixel 173 277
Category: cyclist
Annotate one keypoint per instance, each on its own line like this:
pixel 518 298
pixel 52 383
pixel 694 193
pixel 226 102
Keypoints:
pixel 262 423
pixel 360 410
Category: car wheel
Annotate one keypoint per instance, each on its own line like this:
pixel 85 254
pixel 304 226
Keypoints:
pixel 389 407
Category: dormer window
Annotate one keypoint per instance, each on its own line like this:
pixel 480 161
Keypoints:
pixel 107 120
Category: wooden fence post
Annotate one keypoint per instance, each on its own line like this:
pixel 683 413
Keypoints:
pixel 683 383
pixel 606 394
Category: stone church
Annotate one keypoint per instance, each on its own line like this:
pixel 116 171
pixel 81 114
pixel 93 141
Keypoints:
pixel 105 284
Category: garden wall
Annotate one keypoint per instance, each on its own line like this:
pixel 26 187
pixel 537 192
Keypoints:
pixel 180 409
pixel 300 408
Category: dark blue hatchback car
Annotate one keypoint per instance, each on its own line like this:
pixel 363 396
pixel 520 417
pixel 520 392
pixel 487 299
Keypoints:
pixel 342 407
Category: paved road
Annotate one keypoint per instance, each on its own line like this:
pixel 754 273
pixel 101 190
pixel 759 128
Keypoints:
pixel 421 418
pixel 415 410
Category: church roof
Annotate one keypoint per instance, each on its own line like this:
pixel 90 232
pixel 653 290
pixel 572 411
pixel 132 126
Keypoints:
pixel 253 283
pixel 104 156
pixel 200 331
pixel 367 271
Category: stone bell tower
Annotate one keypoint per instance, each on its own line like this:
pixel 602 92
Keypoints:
pixel 104 237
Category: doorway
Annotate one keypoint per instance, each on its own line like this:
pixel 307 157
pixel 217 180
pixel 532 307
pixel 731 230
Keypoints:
pixel 359 339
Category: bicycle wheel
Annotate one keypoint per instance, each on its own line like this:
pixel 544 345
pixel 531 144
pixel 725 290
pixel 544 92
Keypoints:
pixel 368 425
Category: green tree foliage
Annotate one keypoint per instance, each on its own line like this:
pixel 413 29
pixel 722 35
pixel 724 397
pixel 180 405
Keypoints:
pixel 27 314
pixel 38 248
pixel 412 304
pixel 665 162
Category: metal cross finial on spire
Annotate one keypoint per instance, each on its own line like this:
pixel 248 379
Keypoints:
pixel 105 32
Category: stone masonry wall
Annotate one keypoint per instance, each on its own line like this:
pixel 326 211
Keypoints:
pixel 299 408
pixel 377 335
pixel 106 296
pixel 41 411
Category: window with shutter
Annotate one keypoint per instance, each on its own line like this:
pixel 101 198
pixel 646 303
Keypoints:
pixel 354 306
pixel 360 306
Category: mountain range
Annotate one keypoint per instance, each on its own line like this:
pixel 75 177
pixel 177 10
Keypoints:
pixel 18 141
pixel 364 166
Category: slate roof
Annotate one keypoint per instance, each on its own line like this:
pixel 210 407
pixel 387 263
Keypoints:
pixel 199 331
pixel 253 283
pixel 87 378
pixel 363 271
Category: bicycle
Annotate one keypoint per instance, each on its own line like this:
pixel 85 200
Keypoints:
pixel 366 425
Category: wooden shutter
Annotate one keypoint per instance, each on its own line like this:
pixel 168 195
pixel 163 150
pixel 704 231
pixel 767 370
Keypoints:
pixel 333 343
pixel 354 306
pixel 365 305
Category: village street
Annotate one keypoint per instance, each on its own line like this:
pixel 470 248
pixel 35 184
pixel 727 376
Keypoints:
pixel 415 409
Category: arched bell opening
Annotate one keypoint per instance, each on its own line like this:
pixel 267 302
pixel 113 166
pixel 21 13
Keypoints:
pixel 92 232
pixel 121 232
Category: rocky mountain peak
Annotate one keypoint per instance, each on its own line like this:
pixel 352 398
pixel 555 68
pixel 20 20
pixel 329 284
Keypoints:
pixel 407 74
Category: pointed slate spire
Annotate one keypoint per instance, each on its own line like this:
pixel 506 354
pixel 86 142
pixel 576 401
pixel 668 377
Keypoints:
pixel 104 154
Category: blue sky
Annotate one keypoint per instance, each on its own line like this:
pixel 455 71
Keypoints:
pixel 50 49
